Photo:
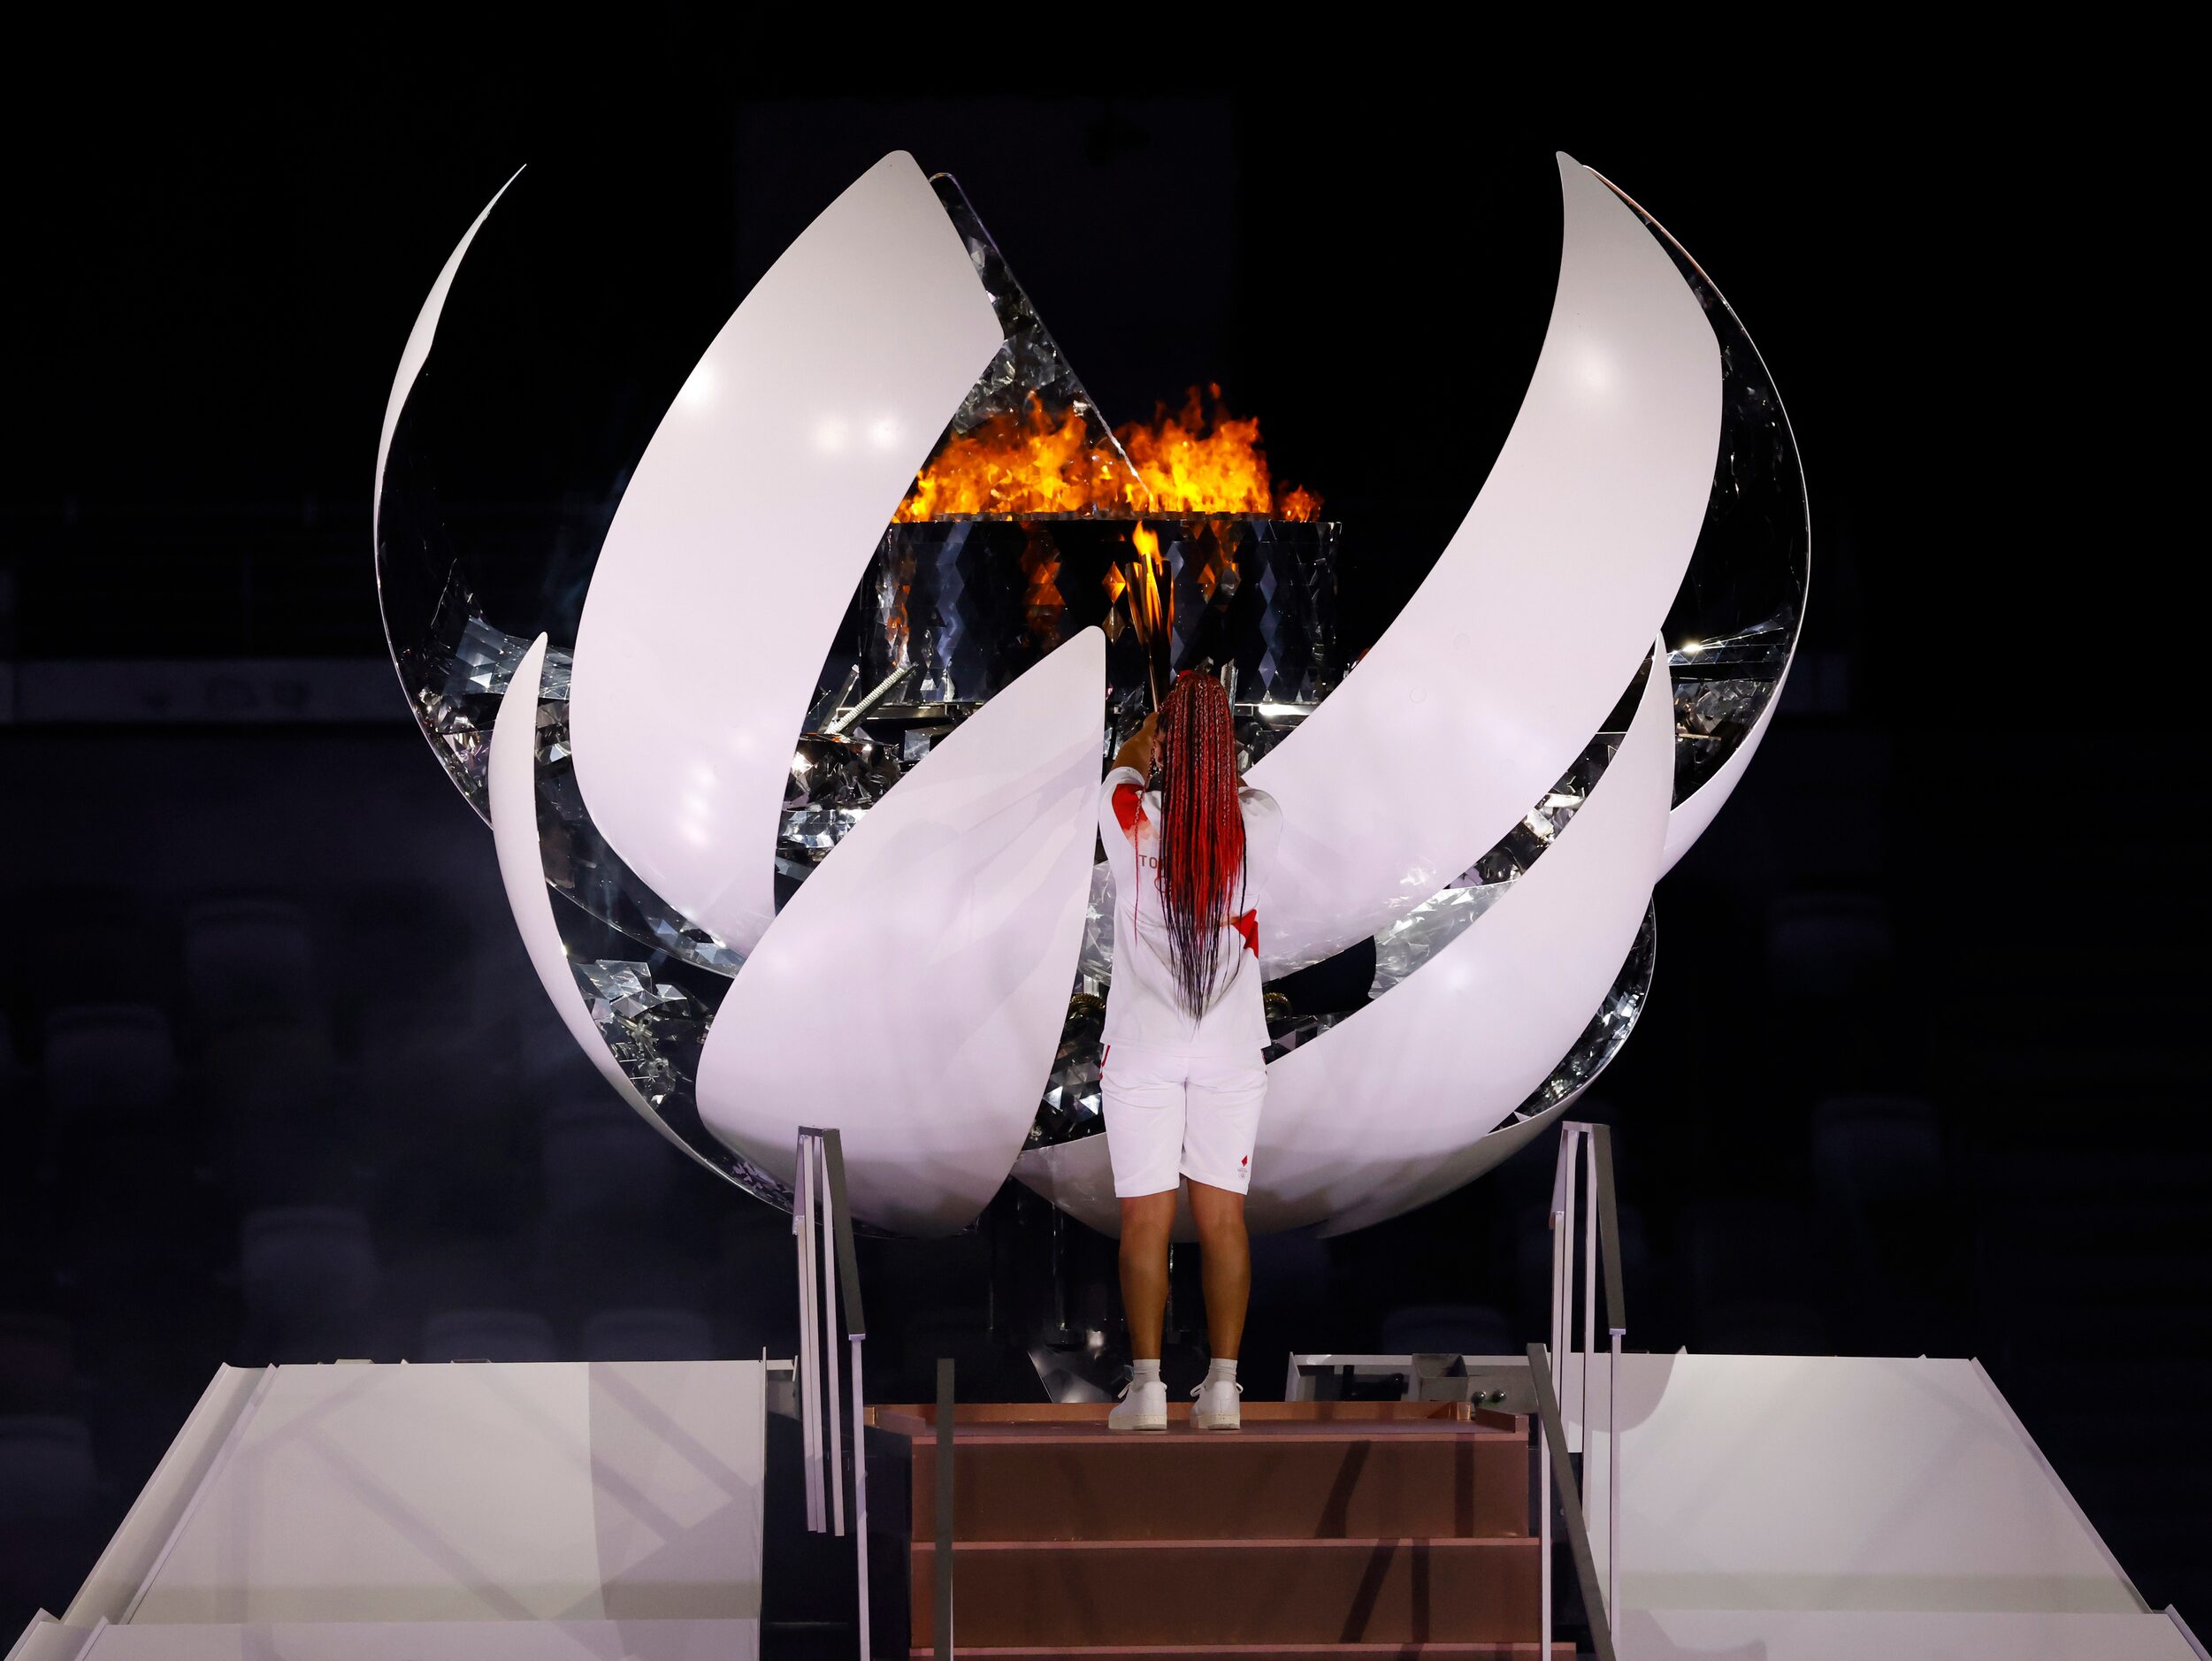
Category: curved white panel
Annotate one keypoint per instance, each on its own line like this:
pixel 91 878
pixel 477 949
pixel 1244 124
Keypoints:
pixel 1386 1111
pixel 750 518
pixel 1512 650
pixel 1691 816
pixel 417 352
pixel 511 778
pixel 912 992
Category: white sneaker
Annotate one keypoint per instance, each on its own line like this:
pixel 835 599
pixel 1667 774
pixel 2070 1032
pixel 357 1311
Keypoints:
pixel 1142 1407
pixel 1219 1406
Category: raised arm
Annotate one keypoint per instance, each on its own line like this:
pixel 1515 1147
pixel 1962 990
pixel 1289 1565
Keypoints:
pixel 1137 751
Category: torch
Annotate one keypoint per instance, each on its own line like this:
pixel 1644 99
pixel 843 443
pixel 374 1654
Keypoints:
pixel 1152 604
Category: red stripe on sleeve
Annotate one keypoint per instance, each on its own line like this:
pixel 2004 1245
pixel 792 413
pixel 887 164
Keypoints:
pixel 1248 925
pixel 1127 799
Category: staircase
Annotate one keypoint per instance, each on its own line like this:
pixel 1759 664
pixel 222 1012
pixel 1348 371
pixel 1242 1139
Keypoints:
pixel 1320 1529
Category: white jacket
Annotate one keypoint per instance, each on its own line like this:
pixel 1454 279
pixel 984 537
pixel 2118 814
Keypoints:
pixel 1143 1007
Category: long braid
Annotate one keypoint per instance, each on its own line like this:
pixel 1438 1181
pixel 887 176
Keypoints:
pixel 1201 830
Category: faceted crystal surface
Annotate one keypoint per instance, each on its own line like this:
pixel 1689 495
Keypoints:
pixel 1030 364
pixel 1743 594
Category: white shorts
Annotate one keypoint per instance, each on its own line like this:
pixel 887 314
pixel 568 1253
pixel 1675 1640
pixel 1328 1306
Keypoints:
pixel 1169 1115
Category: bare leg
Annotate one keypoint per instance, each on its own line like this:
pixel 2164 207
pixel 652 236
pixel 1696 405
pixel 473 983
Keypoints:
pixel 1146 1221
pixel 1226 1261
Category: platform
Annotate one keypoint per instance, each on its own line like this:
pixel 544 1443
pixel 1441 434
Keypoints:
pixel 1774 1509
pixel 482 1510
pixel 1795 1508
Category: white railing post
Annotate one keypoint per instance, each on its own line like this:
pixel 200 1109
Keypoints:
pixel 831 1391
pixel 860 1491
pixel 827 1283
pixel 1592 1206
pixel 1562 1252
pixel 1612 1482
pixel 809 1332
pixel 1562 1275
pixel 1589 1299
pixel 1543 1529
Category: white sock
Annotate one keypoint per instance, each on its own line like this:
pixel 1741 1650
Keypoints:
pixel 1144 1372
pixel 1221 1372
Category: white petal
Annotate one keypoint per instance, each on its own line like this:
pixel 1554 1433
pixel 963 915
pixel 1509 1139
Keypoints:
pixel 1518 643
pixel 912 992
pixel 748 523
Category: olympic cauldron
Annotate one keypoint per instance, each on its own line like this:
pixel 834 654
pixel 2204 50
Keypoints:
pixel 902 928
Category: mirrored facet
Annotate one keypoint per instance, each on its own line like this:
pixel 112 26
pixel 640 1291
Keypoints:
pixel 1743 595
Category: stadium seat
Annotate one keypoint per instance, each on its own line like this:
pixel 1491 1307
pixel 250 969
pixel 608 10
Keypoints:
pixel 648 1335
pixel 487 1334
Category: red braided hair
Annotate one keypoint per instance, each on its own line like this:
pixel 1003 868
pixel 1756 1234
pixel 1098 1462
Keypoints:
pixel 1201 828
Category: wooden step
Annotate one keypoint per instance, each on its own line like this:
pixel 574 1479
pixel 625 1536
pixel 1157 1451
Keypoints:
pixel 1275 1480
pixel 917 1418
pixel 1560 1651
pixel 1277 1593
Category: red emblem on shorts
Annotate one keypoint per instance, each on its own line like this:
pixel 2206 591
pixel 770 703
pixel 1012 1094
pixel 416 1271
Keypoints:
pixel 1245 1160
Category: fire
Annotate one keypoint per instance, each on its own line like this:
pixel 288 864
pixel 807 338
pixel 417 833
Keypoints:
pixel 1149 611
pixel 1145 540
pixel 1193 462
pixel 1011 465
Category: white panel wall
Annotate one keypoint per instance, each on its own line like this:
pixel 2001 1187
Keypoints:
pixel 435 1641
pixel 479 1492
pixel 1828 1635
pixel 1839 1482
pixel 46 1639
pixel 128 1562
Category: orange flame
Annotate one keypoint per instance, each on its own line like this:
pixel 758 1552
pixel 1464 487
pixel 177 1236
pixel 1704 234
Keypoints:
pixel 1011 465
pixel 1148 611
pixel 1193 462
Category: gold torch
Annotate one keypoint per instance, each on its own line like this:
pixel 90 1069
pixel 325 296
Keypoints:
pixel 1152 604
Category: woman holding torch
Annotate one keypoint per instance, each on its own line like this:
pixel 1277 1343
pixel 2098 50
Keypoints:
pixel 1182 1077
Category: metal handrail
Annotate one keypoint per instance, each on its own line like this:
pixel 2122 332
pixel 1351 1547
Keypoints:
pixel 1609 1232
pixel 1600 1216
pixel 942 1608
pixel 819 1206
pixel 1617 1329
pixel 1555 1436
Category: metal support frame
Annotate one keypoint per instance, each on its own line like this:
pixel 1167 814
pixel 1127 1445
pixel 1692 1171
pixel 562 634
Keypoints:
pixel 1554 1430
pixel 802 1226
pixel 1617 1321
pixel 943 1606
pixel 827 1267
pixel 1585 1150
pixel 1589 1291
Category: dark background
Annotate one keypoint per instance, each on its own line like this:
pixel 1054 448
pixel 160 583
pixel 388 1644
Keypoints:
pixel 1921 1070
